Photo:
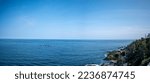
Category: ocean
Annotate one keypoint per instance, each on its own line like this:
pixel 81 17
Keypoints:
pixel 46 52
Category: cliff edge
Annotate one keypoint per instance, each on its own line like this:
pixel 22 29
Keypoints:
pixel 135 54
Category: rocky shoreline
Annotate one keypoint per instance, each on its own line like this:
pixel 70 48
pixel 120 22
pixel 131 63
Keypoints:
pixel 135 54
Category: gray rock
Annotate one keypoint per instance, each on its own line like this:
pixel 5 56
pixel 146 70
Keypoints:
pixel 148 64
pixel 125 64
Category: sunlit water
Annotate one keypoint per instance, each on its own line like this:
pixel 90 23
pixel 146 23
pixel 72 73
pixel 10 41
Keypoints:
pixel 27 52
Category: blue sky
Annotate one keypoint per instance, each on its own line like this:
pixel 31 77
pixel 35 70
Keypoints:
pixel 74 19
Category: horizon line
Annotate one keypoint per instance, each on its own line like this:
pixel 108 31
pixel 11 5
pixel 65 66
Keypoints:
pixel 65 39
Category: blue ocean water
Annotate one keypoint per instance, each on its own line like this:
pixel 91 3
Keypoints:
pixel 36 52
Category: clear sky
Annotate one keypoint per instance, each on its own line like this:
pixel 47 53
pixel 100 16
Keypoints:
pixel 74 19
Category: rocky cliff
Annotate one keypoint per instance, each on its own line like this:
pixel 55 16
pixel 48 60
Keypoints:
pixel 135 54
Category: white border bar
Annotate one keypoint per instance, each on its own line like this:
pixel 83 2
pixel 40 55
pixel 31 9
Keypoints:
pixel 7 73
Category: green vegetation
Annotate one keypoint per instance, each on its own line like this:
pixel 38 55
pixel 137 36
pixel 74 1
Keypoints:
pixel 135 54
